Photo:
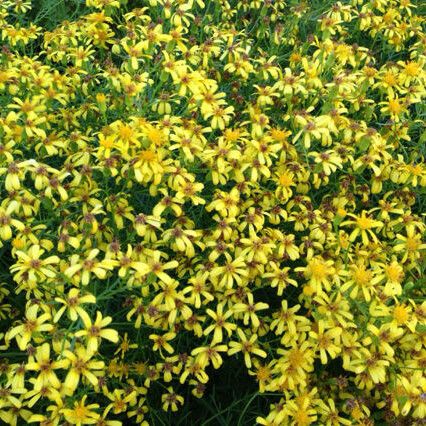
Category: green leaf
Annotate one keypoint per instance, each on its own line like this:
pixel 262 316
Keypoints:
pixel 402 399
pixel 47 203
pixel 151 277
pixel 363 144
pixel 421 328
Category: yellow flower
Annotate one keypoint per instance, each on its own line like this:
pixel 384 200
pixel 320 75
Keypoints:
pixel 90 265
pixel 330 414
pixel 395 107
pixel 226 203
pixel 234 270
pixel 135 52
pixel 391 275
pixel 328 341
pixel 288 324
pixel 95 331
pixel 328 160
pixel 285 182
pixel 249 310
pixel 32 326
pixel 45 366
pixel 125 346
pixel 247 347
pixel 206 354
pixel 318 272
pixel 386 335
pixel 107 143
pixel 81 414
pixel 155 135
pixel 171 400
pixel 188 191
pixel 401 314
pixel 220 117
pixel 336 308
pixel 372 364
pixel 157 267
pixel 301 411
pixel 6 221
pixel 30 264
pixel 410 245
pixel 219 324
pixel 126 135
pixel 262 373
pixel 161 342
pixel 126 262
pixel 364 226
pixel 198 287
pixel 80 364
pixel 279 278
pixel 72 304
pixel 10 401
pixel 360 278
pixel 182 240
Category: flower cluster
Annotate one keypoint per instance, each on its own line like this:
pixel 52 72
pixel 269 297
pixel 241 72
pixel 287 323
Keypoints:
pixel 184 183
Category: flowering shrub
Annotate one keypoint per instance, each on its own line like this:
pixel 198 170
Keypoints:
pixel 190 186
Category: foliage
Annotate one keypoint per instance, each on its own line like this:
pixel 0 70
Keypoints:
pixel 212 212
